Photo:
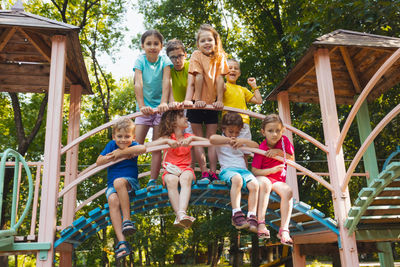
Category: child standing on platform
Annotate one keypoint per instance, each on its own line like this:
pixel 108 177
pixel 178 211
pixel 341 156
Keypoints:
pixel 176 162
pixel 208 65
pixel 122 179
pixel 152 76
pixel 272 174
pixel 236 96
pixel 234 170
pixel 182 84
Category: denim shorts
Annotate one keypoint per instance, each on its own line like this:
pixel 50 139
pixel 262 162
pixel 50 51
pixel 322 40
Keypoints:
pixel 227 174
pixel 133 182
pixel 149 120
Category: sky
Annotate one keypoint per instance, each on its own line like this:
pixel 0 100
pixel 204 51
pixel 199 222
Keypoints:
pixel 125 58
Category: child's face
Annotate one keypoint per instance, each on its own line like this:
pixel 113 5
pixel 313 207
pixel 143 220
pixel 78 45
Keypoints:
pixel 152 46
pixel 273 132
pixel 234 71
pixel 177 57
pixel 232 130
pixel 123 137
pixel 206 42
pixel 181 122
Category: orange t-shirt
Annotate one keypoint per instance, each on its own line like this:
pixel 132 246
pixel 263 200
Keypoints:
pixel 200 63
pixel 180 156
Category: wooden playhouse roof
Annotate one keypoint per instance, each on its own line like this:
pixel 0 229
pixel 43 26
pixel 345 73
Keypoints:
pixel 25 53
pixel 354 56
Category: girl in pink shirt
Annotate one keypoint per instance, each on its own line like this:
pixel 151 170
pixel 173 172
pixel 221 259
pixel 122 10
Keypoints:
pixel 176 162
pixel 272 175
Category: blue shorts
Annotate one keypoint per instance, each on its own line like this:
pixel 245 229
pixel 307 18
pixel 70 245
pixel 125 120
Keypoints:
pixel 133 182
pixel 227 174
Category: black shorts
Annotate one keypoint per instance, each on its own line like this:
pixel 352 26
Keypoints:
pixel 202 116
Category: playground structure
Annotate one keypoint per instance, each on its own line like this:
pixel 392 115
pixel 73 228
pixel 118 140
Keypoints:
pixel 342 67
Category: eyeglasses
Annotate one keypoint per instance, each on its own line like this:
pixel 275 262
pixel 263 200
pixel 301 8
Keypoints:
pixel 174 58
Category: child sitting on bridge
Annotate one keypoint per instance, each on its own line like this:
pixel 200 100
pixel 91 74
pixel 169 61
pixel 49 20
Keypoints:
pixel 234 170
pixel 271 171
pixel 176 162
pixel 122 179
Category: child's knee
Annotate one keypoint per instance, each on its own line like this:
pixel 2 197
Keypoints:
pixel 252 185
pixel 120 183
pixel 237 180
pixel 113 201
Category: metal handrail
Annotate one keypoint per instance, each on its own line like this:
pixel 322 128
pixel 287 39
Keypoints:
pixel 18 159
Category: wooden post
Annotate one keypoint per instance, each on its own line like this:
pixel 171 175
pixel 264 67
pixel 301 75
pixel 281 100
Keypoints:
pixel 284 113
pixel 71 169
pixel 337 171
pixel 51 169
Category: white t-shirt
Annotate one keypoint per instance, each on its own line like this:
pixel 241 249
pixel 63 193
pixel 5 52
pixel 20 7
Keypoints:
pixel 229 157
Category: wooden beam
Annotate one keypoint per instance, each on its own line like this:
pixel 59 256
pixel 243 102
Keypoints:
pixel 350 68
pixel 38 43
pixel 6 36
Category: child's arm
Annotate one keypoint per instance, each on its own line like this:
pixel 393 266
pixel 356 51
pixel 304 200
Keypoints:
pixel 165 89
pixel 220 92
pixel 266 172
pixel 172 104
pixel 187 141
pixel 198 87
pixel 278 152
pixel 238 142
pixel 101 160
pixel 216 139
pixel 163 141
pixel 257 98
pixel 139 93
pixel 128 152
pixel 189 91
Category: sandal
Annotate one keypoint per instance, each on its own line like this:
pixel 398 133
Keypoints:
pixel 177 223
pixel 125 249
pixel 185 219
pixel 128 228
pixel 287 242
pixel 253 224
pixel 263 233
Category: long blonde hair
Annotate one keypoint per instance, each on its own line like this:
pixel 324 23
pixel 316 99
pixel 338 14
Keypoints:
pixel 218 52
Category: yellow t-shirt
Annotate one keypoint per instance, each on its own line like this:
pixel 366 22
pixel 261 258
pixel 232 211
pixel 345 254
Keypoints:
pixel 179 82
pixel 236 96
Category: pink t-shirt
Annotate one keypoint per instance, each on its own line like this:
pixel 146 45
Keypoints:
pixel 263 162
pixel 180 156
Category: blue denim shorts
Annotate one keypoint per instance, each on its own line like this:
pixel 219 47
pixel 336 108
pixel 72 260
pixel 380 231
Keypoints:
pixel 133 182
pixel 227 174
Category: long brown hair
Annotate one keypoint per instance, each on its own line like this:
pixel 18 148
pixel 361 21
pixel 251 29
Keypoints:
pixel 168 122
pixel 218 52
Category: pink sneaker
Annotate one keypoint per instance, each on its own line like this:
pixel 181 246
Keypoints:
pixel 213 176
pixel 205 177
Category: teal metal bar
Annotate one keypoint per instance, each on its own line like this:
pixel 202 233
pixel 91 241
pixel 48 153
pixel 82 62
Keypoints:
pixel 15 190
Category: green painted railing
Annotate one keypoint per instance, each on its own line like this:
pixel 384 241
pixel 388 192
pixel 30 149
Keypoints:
pixel 6 236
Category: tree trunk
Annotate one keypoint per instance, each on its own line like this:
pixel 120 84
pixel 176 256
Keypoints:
pixel 234 249
pixel 140 256
pixel 255 254
pixel 209 253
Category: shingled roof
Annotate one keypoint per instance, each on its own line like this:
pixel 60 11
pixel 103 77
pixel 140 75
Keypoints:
pixel 25 53
pixel 354 56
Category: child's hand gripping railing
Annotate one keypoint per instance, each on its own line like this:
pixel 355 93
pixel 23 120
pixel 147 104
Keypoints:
pixel 7 236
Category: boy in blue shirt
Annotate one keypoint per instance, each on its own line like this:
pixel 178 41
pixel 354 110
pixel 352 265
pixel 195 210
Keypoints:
pixel 122 179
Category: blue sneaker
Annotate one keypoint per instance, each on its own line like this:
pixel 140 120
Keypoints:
pixel 151 184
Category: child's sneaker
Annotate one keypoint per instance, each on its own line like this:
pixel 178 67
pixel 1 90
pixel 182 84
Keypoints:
pixel 205 178
pixel 239 220
pixel 151 184
pixel 213 176
pixel 253 224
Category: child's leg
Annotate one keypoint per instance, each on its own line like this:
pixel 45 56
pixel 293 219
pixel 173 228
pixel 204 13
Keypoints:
pixel 252 186
pixel 265 187
pixel 155 157
pixel 171 182
pixel 141 132
pixel 115 215
pixel 185 181
pixel 212 154
pixel 199 151
pixel 286 194
pixel 122 186
pixel 237 183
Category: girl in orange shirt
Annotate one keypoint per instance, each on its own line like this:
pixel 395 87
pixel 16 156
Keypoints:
pixel 176 162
